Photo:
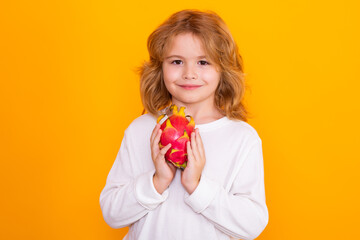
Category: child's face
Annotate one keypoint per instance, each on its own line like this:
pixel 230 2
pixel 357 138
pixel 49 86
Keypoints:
pixel 188 75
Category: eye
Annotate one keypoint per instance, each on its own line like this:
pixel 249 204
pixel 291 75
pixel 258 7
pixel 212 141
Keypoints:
pixel 203 62
pixel 176 62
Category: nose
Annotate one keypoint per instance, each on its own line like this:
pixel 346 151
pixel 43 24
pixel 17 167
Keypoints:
pixel 189 73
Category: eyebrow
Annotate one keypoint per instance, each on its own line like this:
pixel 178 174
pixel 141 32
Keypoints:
pixel 178 56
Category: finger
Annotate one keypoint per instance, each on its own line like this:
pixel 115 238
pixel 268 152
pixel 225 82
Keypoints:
pixel 164 149
pixel 200 144
pixel 171 166
pixel 154 132
pixel 189 152
pixel 155 148
pixel 156 139
pixel 161 155
pixel 194 147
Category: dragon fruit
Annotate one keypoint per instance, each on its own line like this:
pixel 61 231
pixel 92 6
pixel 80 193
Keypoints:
pixel 176 129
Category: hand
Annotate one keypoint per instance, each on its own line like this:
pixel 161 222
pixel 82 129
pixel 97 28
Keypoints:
pixel 190 177
pixel 164 171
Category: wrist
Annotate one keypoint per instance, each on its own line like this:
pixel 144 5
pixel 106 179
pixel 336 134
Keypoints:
pixel 160 184
pixel 190 188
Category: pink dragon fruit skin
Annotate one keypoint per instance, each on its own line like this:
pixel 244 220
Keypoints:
pixel 176 130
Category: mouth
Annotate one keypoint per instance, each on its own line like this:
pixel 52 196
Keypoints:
pixel 190 87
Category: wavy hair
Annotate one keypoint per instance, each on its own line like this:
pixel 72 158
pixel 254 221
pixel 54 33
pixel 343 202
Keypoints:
pixel 219 46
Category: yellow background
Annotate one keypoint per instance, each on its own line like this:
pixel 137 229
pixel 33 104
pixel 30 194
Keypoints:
pixel 68 91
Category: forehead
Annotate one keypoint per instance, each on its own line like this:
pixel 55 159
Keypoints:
pixel 187 44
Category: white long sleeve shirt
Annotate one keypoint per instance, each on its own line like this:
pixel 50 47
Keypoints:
pixel 229 202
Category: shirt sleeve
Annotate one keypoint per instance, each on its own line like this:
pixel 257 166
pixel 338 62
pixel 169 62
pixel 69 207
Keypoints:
pixel 127 198
pixel 240 212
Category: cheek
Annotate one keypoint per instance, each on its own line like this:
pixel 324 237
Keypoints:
pixel 212 77
pixel 170 74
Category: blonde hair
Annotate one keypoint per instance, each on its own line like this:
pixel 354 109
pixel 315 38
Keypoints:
pixel 219 46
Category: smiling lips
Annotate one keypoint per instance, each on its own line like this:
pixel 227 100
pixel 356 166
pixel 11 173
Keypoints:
pixel 189 86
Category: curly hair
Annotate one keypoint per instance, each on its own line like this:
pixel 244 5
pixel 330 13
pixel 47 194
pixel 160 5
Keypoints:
pixel 219 46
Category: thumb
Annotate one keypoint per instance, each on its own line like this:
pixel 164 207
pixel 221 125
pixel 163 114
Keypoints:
pixel 164 150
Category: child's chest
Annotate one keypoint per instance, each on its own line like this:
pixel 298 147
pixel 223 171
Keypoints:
pixel 223 158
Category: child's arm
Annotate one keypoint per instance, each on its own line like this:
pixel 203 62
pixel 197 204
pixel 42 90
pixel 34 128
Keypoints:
pixel 164 172
pixel 241 212
pixel 127 197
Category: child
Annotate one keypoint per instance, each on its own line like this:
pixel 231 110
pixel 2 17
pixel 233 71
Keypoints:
pixel 194 62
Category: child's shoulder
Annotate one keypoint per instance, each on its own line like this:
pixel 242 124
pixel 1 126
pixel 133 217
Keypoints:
pixel 244 128
pixel 142 124
pixel 144 119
